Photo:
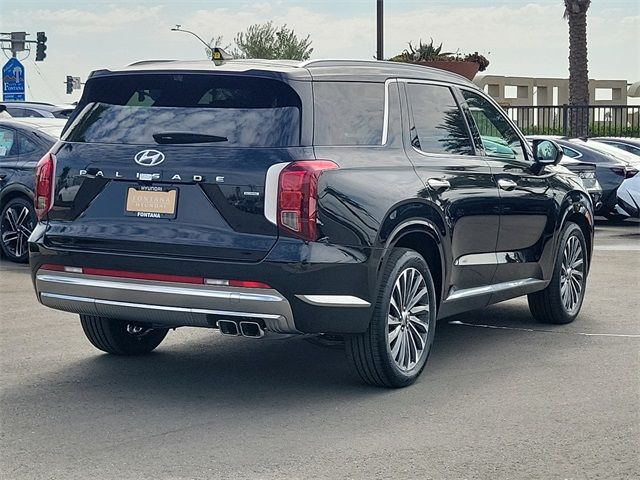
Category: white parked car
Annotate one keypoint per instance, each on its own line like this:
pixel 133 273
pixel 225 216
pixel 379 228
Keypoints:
pixel 629 197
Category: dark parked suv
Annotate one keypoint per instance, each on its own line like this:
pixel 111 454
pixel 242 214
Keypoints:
pixel 350 198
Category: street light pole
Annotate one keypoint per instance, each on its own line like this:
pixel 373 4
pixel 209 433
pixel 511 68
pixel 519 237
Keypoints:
pixel 380 29
pixel 178 29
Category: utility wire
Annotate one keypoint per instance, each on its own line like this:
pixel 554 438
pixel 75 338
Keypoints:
pixel 55 94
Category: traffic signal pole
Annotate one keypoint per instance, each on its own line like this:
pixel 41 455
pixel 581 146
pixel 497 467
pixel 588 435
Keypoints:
pixel 18 41
pixel 380 29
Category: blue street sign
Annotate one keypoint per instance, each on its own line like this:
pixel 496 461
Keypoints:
pixel 13 81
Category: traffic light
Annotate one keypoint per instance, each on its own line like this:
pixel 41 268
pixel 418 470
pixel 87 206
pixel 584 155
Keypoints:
pixel 41 46
pixel 69 83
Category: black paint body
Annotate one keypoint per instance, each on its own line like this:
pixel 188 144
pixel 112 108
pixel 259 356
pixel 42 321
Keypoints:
pixel 379 197
pixel 17 169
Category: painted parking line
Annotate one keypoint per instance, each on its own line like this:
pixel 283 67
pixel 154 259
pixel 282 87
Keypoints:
pixel 622 248
pixel 584 334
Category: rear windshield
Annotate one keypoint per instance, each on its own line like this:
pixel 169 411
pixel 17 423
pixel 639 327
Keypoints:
pixel 224 110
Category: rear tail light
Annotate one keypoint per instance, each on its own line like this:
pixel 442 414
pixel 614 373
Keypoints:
pixel 626 172
pixel 298 196
pixel 45 171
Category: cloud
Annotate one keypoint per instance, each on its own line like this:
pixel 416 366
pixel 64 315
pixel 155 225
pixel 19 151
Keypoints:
pixel 76 22
pixel 519 39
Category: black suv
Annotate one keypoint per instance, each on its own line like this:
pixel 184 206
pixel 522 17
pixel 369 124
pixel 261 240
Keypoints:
pixel 21 146
pixel 349 198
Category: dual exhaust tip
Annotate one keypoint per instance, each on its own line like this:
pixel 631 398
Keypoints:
pixel 242 328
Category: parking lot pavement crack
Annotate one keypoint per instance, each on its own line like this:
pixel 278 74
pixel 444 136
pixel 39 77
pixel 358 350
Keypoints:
pixel 539 330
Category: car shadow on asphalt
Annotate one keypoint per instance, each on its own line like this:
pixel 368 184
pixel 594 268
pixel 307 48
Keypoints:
pixel 214 372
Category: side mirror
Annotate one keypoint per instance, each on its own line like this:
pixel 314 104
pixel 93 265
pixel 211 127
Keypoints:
pixel 546 152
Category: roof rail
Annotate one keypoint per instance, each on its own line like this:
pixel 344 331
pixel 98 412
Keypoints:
pixel 328 62
pixel 145 62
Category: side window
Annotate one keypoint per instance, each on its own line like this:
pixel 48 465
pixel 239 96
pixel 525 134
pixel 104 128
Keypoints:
pixel 499 138
pixel 570 153
pixel 439 122
pixel 26 145
pixel 8 144
pixel 348 113
pixel 17 112
pixel 34 113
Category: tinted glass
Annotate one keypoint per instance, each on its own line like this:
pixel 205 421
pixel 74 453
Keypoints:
pixel 499 138
pixel 8 145
pixel 238 111
pixel 439 123
pixel 17 112
pixel 62 113
pixel 348 113
pixel 570 153
pixel 26 145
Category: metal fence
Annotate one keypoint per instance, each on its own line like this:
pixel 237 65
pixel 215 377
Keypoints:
pixel 604 120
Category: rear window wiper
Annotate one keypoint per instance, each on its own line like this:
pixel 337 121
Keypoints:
pixel 187 137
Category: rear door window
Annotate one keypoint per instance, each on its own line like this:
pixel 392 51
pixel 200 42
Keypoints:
pixel 221 109
pixel 348 113
pixel 8 143
pixel 26 145
pixel 439 124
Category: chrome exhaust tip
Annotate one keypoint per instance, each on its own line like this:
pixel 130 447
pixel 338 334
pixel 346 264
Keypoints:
pixel 251 329
pixel 228 327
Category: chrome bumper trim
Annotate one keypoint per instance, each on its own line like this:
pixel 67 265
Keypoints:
pixel 334 300
pixel 162 303
pixel 85 281
pixel 495 288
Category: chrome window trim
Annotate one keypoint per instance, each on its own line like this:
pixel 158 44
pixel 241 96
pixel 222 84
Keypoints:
pixel 385 117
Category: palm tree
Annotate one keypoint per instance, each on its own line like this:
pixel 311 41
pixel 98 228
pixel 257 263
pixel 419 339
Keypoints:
pixel 575 11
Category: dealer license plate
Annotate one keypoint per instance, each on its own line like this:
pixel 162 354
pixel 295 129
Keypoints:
pixel 151 202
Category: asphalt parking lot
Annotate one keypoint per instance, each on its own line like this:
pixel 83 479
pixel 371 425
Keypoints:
pixel 502 397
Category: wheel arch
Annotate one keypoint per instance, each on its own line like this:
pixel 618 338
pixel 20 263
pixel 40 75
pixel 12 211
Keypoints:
pixel 425 237
pixel 578 208
pixel 13 191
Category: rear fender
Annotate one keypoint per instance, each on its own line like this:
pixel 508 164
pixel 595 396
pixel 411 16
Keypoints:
pixel 577 207
pixel 414 217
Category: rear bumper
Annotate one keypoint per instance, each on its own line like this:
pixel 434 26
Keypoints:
pixel 314 288
pixel 164 304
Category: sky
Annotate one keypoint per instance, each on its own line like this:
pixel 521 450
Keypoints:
pixel 520 38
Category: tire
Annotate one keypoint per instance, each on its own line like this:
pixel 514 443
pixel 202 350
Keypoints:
pixel 16 224
pixel 121 337
pixel 561 301
pixel 385 362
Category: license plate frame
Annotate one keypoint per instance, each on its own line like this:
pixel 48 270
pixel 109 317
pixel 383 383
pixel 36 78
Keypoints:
pixel 151 202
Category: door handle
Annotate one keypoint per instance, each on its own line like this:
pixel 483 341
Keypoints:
pixel 438 184
pixel 506 184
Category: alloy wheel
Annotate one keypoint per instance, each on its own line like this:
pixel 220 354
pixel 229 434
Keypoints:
pixel 572 275
pixel 408 319
pixel 17 225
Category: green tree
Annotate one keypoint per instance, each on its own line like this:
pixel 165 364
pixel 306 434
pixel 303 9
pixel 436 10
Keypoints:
pixel 267 41
pixel 575 11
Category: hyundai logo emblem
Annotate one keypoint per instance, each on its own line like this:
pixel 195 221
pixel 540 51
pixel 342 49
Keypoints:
pixel 149 158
